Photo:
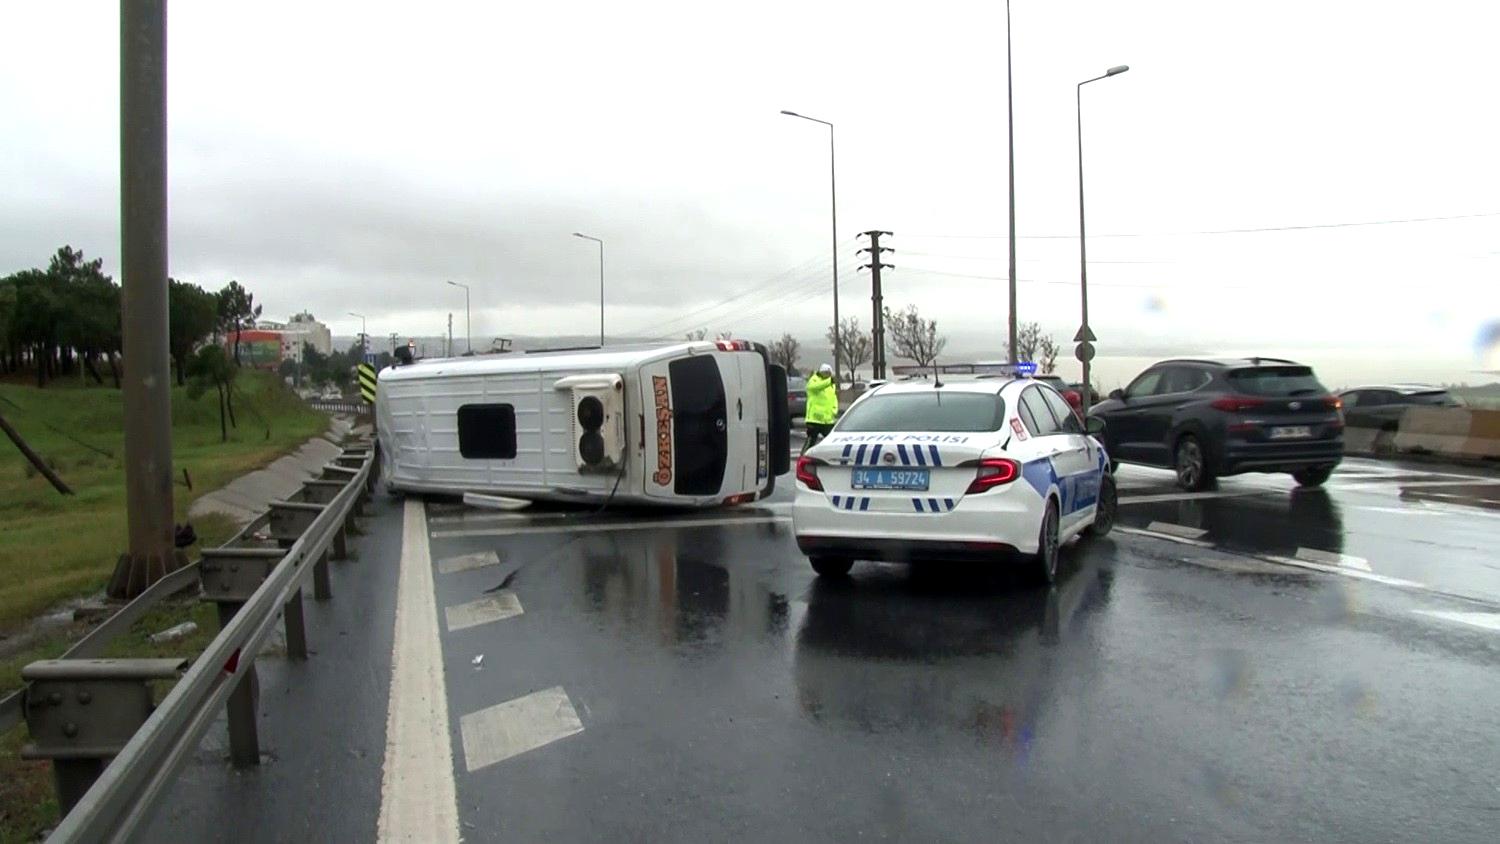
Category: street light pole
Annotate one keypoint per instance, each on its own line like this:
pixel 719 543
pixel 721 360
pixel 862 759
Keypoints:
pixel 1083 255
pixel 1010 119
pixel 601 282
pixel 468 323
pixel 364 338
pixel 833 204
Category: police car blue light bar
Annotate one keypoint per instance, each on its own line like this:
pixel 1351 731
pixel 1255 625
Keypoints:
pixel 1024 369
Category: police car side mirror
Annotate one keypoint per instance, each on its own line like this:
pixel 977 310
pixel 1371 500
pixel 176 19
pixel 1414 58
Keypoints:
pixel 1094 425
pixel 1117 394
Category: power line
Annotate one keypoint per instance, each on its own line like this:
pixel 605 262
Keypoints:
pixel 1345 225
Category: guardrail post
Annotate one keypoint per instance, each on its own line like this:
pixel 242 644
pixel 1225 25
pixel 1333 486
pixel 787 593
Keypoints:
pixel 340 544
pixel 322 588
pixel 244 733
pixel 81 712
pixel 296 627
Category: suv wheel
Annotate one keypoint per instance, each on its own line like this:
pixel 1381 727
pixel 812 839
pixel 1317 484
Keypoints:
pixel 1312 477
pixel 1191 464
pixel 831 566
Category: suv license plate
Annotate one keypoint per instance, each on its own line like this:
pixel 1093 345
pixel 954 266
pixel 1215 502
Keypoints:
pixel 889 479
pixel 1291 432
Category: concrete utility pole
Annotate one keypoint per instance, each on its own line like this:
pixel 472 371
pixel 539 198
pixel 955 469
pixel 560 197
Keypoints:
pixel 877 364
pixel 449 353
pixel 468 320
pixel 601 282
pixel 151 552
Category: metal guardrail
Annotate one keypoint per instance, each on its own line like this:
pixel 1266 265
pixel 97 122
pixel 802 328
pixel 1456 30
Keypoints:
pixel 128 789
pixel 357 408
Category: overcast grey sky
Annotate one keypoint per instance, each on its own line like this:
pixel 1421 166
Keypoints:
pixel 337 157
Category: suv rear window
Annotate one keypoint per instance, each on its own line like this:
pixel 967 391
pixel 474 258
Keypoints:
pixel 1276 381
pixel 934 410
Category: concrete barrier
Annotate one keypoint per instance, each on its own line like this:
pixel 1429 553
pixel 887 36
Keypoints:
pixel 1455 432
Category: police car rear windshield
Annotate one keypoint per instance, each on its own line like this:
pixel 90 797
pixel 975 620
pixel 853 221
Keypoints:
pixel 935 410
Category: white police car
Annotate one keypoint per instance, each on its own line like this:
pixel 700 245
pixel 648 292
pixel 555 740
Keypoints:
pixel 985 469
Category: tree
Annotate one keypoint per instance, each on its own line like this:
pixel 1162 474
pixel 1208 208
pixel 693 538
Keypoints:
pixel 89 324
pixel 210 367
pixel 237 311
pixel 192 315
pixel 914 337
pixel 697 334
pixel 1046 355
pixel 856 346
pixel 785 352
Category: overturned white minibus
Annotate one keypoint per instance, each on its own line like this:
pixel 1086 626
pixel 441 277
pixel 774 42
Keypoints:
pixel 694 424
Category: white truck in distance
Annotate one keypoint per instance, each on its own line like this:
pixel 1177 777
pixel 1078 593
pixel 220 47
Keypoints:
pixel 696 424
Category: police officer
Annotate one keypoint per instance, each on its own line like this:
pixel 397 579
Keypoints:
pixel 822 405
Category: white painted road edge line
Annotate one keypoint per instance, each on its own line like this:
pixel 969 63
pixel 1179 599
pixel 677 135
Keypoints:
pixel 664 524
pixel 1182 496
pixel 418 801
pixel 1313 555
pixel 1176 530
pixel 1486 620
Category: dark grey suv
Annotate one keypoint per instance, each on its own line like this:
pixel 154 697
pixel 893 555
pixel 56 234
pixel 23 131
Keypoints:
pixel 1209 418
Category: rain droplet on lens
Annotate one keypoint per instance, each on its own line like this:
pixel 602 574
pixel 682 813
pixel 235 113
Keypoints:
pixel 1487 345
pixel 1358 697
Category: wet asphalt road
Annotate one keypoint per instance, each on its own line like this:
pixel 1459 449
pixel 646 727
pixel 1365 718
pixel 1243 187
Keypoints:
pixel 1210 672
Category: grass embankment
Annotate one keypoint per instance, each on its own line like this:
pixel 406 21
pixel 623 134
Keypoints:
pixel 54 547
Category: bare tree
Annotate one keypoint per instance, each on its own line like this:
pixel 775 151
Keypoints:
pixel 1028 341
pixel 1046 355
pixel 724 335
pixel 857 348
pixel 697 334
pixel 914 337
pixel 785 352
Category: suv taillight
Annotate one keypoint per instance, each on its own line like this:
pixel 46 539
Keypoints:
pixel 993 472
pixel 1235 404
pixel 807 472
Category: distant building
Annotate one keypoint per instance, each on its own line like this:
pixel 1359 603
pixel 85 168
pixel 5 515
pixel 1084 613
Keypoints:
pixel 271 342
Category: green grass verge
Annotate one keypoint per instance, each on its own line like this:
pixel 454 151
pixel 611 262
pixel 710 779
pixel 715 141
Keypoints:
pixel 55 547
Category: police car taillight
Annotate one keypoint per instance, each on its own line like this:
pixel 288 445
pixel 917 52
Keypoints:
pixel 993 472
pixel 807 472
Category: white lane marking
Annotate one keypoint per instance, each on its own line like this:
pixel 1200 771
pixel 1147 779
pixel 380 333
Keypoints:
pixel 1181 540
pixel 1182 531
pixel 465 562
pixel 665 524
pixel 1313 555
pixel 1346 572
pixel 516 726
pixel 417 797
pixel 1184 496
pixel 497 607
pixel 478 517
pixel 1486 620
pixel 1359 485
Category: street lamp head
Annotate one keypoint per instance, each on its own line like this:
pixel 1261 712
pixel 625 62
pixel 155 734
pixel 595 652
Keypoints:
pixel 1117 69
pixel 790 113
pixel 579 234
pixel 455 284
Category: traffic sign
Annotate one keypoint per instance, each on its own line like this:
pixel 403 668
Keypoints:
pixel 1084 352
pixel 367 382
pixel 1085 335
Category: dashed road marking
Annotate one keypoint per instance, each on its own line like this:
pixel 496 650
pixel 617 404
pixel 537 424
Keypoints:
pixel 418 801
pixel 496 607
pixel 1486 620
pixel 1313 555
pixel 1177 530
pixel 664 524
pixel 1170 537
pixel 466 562
pixel 511 728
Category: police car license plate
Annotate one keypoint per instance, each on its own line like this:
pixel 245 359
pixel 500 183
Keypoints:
pixel 1291 432
pixel 889 479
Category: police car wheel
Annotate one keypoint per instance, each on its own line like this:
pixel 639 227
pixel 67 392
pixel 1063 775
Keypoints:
pixel 831 566
pixel 1045 559
pixel 1104 513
